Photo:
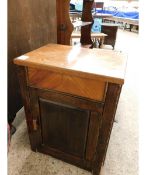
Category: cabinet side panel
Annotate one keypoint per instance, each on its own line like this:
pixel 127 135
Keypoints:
pixel 28 103
pixel 111 101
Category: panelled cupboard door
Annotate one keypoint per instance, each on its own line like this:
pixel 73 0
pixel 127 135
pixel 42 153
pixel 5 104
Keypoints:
pixel 65 128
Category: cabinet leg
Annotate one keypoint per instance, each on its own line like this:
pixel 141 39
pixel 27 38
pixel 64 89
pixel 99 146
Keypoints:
pixel 12 129
pixel 101 172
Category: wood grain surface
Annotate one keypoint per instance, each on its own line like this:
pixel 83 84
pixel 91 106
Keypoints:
pixel 98 64
pixel 29 28
pixel 64 25
pixel 86 17
pixel 84 87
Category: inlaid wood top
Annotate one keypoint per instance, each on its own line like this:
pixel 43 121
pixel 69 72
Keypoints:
pixel 105 65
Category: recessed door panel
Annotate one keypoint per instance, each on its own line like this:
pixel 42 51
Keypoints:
pixel 64 127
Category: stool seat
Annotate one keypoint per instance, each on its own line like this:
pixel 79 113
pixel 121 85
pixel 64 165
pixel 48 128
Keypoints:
pixel 94 36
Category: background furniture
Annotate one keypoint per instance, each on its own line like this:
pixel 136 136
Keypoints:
pixel 98 5
pixel 123 14
pixel 111 30
pixel 124 21
pixel 45 21
pixel 100 37
pixel 70 95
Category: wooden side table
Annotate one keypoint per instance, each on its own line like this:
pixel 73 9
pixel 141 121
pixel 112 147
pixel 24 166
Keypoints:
pixel 70 95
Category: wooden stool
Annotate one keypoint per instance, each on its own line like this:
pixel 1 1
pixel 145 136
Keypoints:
pixel 94 36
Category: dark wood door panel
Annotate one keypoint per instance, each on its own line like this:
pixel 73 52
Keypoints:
pixel 64 127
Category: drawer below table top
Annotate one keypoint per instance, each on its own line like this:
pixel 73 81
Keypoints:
pixel 84 87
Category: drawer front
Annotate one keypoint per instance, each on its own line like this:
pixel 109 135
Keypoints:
pixel 83 87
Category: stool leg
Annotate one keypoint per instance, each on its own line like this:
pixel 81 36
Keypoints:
pixel 101 42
